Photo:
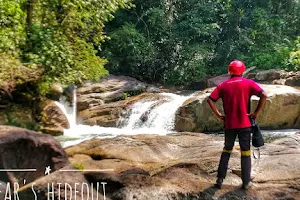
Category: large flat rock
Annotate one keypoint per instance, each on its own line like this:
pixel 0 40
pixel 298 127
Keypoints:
pixel 281 111
pixel 183 166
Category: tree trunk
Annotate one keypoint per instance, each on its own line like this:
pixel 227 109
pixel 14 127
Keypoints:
pixel 30 6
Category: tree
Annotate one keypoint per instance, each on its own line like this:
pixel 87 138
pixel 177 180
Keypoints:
pixel 192 39
pixel 59 37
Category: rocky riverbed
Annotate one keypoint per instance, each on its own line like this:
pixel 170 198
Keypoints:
pixel 106 103
pixel 176 166
pixel 147 166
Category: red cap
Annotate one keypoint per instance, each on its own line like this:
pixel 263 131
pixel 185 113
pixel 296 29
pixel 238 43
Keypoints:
pixel 236 67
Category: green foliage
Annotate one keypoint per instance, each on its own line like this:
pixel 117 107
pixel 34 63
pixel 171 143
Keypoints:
pixel 63 61
pixel 129 51
pixel 12 34
pixel 128 94
pixel 78 166
pixel 23 119
pixel 173 42
pixel 12 23
pixel 178 42
pixel 9 68
pixel 16 122
pixel 154 46
pixel 294 60
pixel 59 38
pixel 294 56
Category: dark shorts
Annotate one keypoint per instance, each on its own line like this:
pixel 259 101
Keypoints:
pixel 244 136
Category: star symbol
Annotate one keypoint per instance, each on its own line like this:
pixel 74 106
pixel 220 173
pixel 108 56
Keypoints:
pixel 47 171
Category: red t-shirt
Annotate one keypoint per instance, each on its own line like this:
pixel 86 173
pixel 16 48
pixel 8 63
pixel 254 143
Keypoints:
pixel 235 94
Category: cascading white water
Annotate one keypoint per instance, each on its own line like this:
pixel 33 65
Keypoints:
pixel 155 116
pixel 145 117
pixel 74 113
pixel 67 109
pixel 159 120
pixel 137 110
pixel 163 116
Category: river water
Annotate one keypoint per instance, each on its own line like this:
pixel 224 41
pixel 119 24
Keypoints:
pixel 159 120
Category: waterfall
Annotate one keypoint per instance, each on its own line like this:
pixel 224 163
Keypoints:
pixel 163 116
pixel 160 118
pixel 136 113
pixel 67 109
pixel 145 117
pixel 74 113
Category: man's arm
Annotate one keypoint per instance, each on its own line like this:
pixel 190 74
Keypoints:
pixel 262 100
pixel 215 109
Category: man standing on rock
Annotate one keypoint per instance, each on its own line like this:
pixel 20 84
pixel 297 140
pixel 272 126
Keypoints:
pixel 235 94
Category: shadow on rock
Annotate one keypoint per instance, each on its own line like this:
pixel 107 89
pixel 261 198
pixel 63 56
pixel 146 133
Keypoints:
pixel 237 194
pixel 207 194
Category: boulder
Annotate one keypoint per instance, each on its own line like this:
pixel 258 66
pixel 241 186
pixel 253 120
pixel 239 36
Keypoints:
pixel 110 89
pixel 268 76
pixel 274 76
pixel 176 166
pixel 279 82
pixel 195 115
pixel 199 85
pixel 55 92
pixel 184 165
pixel 6 97
pixel 111 114
pixel 213 82
pixel 282 110
pixel 24 149
pixel 293 81
pixel 27 150
pixel 107 115
pixel 52 118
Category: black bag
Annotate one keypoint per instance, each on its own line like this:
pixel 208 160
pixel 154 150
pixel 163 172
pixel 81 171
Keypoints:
pixel 257 138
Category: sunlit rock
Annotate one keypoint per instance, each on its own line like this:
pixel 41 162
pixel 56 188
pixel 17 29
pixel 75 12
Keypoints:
pixel 53 120
pixel 184 165
pixel 110 89
pixel 282 110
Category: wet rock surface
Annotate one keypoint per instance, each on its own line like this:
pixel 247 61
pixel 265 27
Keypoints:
pixel 112 114
pixel 105 103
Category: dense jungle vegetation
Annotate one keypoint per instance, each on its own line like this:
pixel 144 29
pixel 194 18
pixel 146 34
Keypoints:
pixel 162 41
pixel 53 41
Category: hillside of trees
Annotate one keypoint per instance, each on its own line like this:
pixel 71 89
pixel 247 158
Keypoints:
pixel 181 41
pixel 158 41
pixel 56 40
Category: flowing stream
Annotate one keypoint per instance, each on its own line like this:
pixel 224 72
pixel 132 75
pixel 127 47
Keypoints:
pixel 144 117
